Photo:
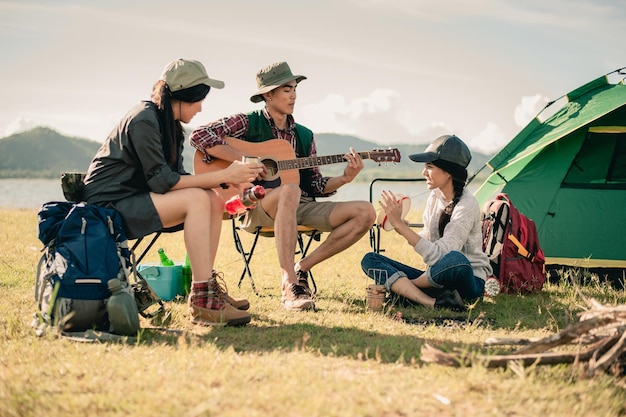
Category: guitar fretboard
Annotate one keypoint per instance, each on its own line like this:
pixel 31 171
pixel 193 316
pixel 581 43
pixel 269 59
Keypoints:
pixel 313 161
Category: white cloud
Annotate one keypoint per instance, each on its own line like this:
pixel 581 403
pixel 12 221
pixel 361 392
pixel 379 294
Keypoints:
pixel 528 109
pixel 382 118
pixel 332 114
pixel 490 140
pixel 336 110
pixel 21 124
pixel 378 117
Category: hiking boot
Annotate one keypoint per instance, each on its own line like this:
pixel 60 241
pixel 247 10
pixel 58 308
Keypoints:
pixel 238 303
pixel 296 298
pixel 451 300
pixel 303 281
pixel 226 316
pixel 208 305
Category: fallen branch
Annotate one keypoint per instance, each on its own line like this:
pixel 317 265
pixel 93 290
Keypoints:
pixel 602 329
pixel 434 355
pixel 508 341
pixel 609 358
pixel 568 334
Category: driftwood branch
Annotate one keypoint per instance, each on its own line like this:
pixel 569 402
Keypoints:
pixel 568 334
pixel 609 358
pixel 434 355
pixel 601 330
pixel 508 341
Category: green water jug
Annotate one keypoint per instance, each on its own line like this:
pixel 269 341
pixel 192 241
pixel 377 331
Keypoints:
pixel 122 310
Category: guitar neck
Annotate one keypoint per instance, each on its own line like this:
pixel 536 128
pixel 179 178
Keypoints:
pixel 313 161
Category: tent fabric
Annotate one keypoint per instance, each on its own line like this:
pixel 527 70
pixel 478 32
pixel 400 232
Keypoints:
pixel 568 174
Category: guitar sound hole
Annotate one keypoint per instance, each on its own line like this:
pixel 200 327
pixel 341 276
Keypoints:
pixel 272 169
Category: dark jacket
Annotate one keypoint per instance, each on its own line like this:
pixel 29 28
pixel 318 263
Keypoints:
pixel 131 161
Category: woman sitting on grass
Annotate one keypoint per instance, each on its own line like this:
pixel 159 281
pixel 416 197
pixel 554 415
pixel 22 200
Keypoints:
pixel 451 241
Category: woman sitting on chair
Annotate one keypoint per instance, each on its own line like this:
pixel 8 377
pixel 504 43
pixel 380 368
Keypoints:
pixel 139 172
pixel 450 243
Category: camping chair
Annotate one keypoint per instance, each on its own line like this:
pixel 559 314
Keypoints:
pixel 376 228
pixel 310 233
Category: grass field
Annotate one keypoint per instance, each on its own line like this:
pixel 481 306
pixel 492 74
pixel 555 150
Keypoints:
pixel 340 360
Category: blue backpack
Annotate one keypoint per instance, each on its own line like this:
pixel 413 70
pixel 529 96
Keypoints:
pixel 85 246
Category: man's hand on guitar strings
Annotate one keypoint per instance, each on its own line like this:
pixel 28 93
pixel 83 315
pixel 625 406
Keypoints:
pixel 355 165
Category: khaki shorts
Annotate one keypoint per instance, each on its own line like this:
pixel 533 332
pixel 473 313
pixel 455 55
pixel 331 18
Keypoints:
pixel 310 213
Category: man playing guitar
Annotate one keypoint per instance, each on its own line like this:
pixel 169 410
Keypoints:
pixel 290 203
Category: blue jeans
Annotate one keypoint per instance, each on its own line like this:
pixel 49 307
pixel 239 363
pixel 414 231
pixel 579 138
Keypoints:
pixel 452 272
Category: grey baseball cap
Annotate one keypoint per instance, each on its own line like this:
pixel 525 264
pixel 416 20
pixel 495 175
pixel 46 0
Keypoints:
pixel 186 73
pixel 448 148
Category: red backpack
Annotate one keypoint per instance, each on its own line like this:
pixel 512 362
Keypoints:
pixel 510 241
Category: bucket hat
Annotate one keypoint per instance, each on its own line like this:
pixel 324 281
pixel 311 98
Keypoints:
pixel 447 148
pixel 186 73
pixel 271 77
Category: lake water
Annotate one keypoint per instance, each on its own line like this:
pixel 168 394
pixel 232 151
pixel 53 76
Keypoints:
pixel 29 193
pixel 32 193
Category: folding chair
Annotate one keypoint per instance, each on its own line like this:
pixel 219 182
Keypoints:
pixel 376 228
pixel 246 254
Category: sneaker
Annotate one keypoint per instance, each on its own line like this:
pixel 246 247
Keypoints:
pixel 296 298
pixel 492 286
pixel 303 281
pixel 451 300
pixel 209 306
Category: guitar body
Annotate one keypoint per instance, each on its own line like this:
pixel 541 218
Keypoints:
pixel 270 152
pixel 280 160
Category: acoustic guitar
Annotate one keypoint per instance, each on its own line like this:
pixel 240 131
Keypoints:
pixel 280 160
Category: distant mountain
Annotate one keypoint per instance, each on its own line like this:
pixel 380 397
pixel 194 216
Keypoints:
pixel 45 153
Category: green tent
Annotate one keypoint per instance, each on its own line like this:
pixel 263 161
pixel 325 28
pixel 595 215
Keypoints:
pixel 568 173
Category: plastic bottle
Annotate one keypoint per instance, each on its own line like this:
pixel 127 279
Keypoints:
pixel 122 310
pixel 187 275
pixel 239 204
pixel 165 261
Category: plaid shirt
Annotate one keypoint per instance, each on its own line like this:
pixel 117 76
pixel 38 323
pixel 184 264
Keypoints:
pixel 236 126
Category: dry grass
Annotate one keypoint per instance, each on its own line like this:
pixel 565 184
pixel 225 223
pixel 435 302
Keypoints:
pixel 337 361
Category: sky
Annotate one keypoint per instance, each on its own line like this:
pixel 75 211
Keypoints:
pixel 387 71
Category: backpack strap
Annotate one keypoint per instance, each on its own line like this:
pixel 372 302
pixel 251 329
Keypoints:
pixel 521 249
